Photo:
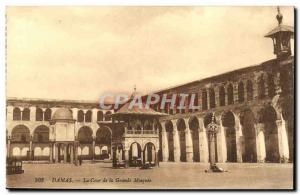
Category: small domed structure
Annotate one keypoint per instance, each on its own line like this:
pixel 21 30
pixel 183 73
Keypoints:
pixel 62 114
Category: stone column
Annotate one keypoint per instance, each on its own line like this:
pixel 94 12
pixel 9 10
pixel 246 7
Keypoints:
pixel 76 153
pixel 72 154
pixel 221 143
pixel 51 153
pixel 239 137
pixel 203 142
pixel 283 140
pixel 8 147
pixel 142 156
pixel 188 143
pixel 260 142
pixel 176 143
pixel 32 113
pixel 93 149
pixel 30 148
pixel 165 146
pixel 65 153
pixel 127 157
pixel 56 152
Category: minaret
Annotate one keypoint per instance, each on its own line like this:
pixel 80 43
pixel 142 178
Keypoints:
pixel 281 36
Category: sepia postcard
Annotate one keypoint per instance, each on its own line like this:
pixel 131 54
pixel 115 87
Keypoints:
pixel 153 97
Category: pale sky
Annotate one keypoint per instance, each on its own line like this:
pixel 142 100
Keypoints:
pixel 79 53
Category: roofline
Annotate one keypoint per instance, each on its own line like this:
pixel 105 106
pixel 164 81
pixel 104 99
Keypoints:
pixel 261 65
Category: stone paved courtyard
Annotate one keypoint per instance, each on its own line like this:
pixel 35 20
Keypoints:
pixel 168 175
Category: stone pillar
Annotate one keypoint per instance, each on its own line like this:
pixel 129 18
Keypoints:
pixel 165 146
pixel 203 143
pixel 283 140
pixel 56 152
pixel 51 153
pixel 72 154
pixel 260 142
pixel 76 153
pixel 126 157
pixel 142 156
pixel 176 144
pixel 188 143
pixel 65 153
pixel 208 99
pixel 32 113
pixel 221 144
pixel 94 115
pixel 8 147
pixel 239 137
pixel 74 112
pixel 30 148
pixel 93 149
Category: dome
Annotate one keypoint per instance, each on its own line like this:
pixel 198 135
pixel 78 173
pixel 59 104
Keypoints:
pixel 62 114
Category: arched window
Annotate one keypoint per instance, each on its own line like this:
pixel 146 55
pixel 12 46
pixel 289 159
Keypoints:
pixel 39 114
pixel 271 86
pixel 99 116
pixel 249 90
pixel 88 116
pixel 26 114
pixel 241 93
pixel 108 116
pixel 16 114
pixel 261 87
pixel 212 100
pixel 47 114
pixel 80 116
pixel 204 99
pixel 230 94
pixel 222 95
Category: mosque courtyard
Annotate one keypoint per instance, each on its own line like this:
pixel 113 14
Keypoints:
pixel 166 176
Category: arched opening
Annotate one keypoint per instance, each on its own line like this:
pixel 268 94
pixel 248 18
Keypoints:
pixel 20 134
pixel 271 86
pixel 16 114
pixel 169 130
pixel 108 116
pixel 26 114
pixel 249 90
pixel 41 134
pixel 207 120
pixel 228 123
pixel 39 114
pixel 204 99
pixel 271 135
pixel 88 116
pixel 135 155
pixel 261 87
pixel 99 116
pixel 241 93
pixel 248 129
pixel 47 114
pixel 80 116
pixel 212 100
pixel 222 95
pixel 194 127
pixel 230 94
pixel 182 141
pixel 85 138
pixel 150 154
pixel 103 141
